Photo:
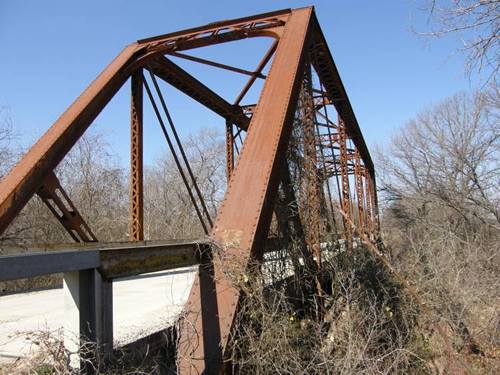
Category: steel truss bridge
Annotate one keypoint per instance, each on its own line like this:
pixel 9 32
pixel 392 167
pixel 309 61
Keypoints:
pixel 297 166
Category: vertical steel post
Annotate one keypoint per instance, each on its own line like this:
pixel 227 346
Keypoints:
pixel 374 202
pixel 136 162
pixel 229 149
pixel 358 179
pixel 313 208
pixel 344 172
pixel 369 207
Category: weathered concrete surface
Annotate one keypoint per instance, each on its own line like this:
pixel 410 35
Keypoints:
pixel 142 305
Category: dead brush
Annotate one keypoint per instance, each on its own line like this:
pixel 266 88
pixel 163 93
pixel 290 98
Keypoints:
pixel 368 325
pixel 48 356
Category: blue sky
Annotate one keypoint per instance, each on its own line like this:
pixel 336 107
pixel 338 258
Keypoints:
pixel 52 49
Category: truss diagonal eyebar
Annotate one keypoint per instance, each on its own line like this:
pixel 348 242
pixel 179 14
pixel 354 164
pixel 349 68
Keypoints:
pixel 183 154
pixel 174 154
pixel 216 64
pixel 185 82
pixel 258 70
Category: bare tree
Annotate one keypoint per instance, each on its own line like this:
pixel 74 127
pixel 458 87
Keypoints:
pixel 96 184
pixel 450 156
pixel 6 138
pixel 169 212
pixel 476 22
pixel 440 179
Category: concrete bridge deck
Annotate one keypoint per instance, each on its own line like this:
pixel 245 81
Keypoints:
pixel 142 305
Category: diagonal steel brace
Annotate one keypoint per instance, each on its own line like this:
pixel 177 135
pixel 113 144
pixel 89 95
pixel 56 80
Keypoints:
pixel 59 203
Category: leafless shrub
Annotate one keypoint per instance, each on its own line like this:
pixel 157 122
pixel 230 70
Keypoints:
pixel 368 325
pixel 441 218
pixel 48 355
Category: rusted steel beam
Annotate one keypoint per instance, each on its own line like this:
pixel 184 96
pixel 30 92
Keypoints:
pixel 262 64
pixel 376 216
pixel 371 194
pixel 136 162
pixel 135 260
pixel 185 82
pixel 360 192
pixel 180 169
pixel 181 149
pixel 330 78
pixel 268 24
pixel 217 64
pixel 346 192
pixel 59 203
pixel 312 195
pixel 229 149
pixel 326 201
pixel 243 221
pixel 328 141
pixel 216 26
pixel 29 173
pixel 368 212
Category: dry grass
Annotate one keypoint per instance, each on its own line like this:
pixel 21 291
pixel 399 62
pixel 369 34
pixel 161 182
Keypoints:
pixel 48 355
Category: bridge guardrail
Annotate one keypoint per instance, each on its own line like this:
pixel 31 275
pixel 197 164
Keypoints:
pixel 88 283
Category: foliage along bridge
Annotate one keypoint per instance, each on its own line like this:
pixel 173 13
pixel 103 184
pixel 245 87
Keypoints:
pixel 297 167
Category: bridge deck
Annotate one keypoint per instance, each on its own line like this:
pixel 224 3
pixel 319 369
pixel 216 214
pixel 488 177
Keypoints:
pixel 136 313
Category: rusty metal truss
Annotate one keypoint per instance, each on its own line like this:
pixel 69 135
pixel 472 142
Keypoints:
pixel 303 110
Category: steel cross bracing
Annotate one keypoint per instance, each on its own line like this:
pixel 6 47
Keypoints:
pixel 303 110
